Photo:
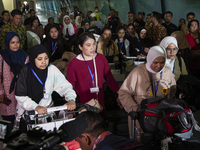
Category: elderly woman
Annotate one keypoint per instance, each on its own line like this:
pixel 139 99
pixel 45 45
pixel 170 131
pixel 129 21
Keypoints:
pixel 152 79
pixel 12 59
pixel 178 68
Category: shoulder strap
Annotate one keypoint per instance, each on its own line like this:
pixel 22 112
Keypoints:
pixel 180 62
pixel 151 81
pixel 2 70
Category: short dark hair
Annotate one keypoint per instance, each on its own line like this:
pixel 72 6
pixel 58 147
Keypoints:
pixel 31 10
pixel 105 28
pixel 131 24
pixel 169 12
pixel 130 13
pixel 190 13
pixel 83 37
pixel 157 15
pixel 50 18
pixel 148 14
pixel 190 23
pixel 96 124
pixel 16 12
pixel 120 28
pixel 95 7
pixel 5 11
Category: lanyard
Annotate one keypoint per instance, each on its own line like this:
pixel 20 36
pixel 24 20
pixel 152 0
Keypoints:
pixel 173 71
pixel 156 87
pixel 43 84
pixel 67 33
pixel 54 46
pixel 121 44
pixel 91 74
pixel 107 52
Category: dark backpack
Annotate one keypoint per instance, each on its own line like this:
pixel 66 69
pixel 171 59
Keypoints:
pixel 164 116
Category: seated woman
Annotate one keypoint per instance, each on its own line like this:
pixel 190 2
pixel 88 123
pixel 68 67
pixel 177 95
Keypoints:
pixel 12 59
pixel 169 43
pixel 140 44
pixel 122 42
pixel 82 75
pixel 68 29
pixel 108 47
pixel 36 82
pixel 34 27
pixel 193 39
pixel 78 21
pixel 152 79
pixel 55 43
pixel 184 48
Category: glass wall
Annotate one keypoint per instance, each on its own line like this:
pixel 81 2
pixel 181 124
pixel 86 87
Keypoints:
pixel 179 7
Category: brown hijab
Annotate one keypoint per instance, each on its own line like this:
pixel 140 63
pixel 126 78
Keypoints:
pixel 182 41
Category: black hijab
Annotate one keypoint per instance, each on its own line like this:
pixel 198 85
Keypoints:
pixel 15 59
pixel 35 89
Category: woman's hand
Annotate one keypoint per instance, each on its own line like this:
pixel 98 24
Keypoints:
pixel 71 105
pixel 119 103
pixel 41 110
pixel 2 98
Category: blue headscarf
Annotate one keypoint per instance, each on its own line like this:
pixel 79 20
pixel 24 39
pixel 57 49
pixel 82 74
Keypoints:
pixel 15 59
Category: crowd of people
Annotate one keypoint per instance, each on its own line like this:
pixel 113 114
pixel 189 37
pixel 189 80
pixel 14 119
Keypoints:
pixel 28 77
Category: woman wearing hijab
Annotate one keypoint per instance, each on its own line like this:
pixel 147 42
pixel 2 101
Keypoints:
pixel 68 29
pixel 152 79
pixel 78 21
pixel 140 44
pixel 12 60
pixel 37 80
pixel 178 68
pixel 55 43
pixel 184 48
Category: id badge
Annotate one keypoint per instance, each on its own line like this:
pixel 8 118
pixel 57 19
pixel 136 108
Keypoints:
pixel 46 96
pixel 94 90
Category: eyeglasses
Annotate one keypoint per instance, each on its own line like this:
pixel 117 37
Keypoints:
pixel 173 50
pixel 194 25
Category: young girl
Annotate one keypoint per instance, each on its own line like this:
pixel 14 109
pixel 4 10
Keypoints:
pixel 81 71
pixel 122 42
pixel 37 80
pixel 12 60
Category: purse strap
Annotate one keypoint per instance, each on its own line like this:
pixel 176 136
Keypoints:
pixel 96 79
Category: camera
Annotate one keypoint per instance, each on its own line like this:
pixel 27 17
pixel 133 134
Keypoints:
pixel 5 129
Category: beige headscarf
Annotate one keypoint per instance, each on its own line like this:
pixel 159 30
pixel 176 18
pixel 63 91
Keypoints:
pixel 153 53
pixel 165 43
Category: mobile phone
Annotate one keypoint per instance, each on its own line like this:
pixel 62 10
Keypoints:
pixel 7 101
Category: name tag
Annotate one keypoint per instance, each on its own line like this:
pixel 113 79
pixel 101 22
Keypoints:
pixel 94 90
pixel 46 96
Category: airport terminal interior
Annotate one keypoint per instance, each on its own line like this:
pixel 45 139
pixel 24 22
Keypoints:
pixel 45 9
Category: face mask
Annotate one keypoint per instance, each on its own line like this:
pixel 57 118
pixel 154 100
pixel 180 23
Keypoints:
pixel 96 10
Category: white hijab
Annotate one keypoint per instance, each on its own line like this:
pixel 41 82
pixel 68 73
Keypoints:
pixel 153 53
pixel 69 26
pixel 165 43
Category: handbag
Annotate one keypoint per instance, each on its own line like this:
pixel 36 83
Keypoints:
pixel 94 102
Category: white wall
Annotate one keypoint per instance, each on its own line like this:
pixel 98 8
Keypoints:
pixel 9 4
